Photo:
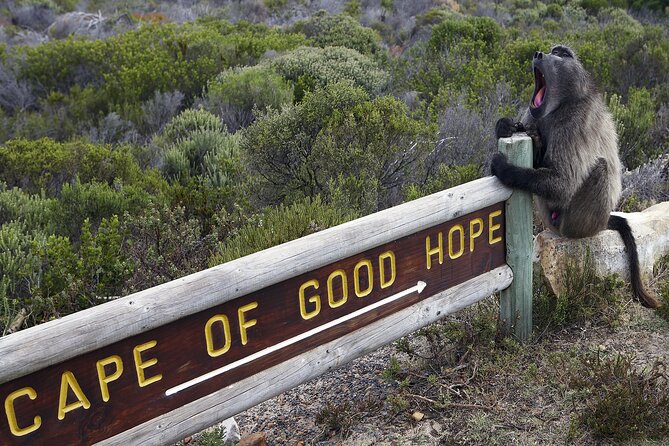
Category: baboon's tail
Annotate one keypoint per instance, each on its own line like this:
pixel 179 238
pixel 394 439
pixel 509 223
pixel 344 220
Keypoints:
pixel 620 224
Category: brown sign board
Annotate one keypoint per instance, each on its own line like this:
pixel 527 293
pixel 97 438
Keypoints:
pixel 106 391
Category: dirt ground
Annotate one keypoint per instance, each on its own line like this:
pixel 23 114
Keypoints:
pixel 513 396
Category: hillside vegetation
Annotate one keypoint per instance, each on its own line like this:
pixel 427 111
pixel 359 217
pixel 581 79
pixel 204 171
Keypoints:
pixel 142 141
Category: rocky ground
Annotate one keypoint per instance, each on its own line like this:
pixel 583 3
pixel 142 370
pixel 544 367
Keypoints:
pixel 503 394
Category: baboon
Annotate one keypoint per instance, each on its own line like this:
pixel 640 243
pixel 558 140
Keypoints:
pixel 576 179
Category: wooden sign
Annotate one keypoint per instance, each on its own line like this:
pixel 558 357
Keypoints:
pixel 103 392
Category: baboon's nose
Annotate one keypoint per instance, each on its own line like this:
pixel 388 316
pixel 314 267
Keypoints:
pixel 538 55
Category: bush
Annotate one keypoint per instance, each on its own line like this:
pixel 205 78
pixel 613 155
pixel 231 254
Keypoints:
pixel 482 34
pixel 339 30
pixel 633 122
pixel 444 178
pixel 299 152
pixel 646 185
pixel 204 154
pixel 196 144
pixel 49 277
pixel 19 267
pixel 466 133
pixel 95 202
pixel 47 164
pixel 379 143
pixel 278 225
pixel 15 95
pixel 201 161
pixel 112 129
pixel 188 122
pixel 586 298
pixel 645 60
pixel 624 402
pixel 311 67
pixel 129 68
pixel 165 244
pixel 35 212
pixel 159 110
pixel 235 93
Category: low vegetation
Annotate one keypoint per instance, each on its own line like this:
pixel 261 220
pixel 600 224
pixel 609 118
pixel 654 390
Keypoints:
pixel 491 390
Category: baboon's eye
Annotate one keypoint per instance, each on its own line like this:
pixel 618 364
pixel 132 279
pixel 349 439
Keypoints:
pixel 561 52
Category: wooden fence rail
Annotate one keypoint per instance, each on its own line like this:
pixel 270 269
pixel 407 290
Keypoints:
pixel 160 364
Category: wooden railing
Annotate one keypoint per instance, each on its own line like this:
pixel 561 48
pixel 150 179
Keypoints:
pixel 160 364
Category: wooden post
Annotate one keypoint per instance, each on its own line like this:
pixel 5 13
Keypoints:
pixel 516 301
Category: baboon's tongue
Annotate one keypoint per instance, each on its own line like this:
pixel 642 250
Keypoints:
pixel 539 97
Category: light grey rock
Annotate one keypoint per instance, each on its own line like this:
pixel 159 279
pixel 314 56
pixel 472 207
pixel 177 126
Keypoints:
pixel 232 434
pixel 651 232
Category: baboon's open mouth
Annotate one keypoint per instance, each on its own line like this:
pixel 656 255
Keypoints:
pixel 539 89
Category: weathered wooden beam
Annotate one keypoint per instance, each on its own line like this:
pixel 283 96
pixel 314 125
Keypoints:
pixel 516 301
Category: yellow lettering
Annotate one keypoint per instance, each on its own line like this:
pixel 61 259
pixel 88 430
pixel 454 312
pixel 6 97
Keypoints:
pixel 473 234
pixel 370 278
pixel 223 319
pixel 315 299
pixel 105 379
pixel 344 289
pixel 432 251
pixel 243 323
pixel 382 271
pixel 140 364
pixel 460 229
pixel 492 228
pixel 68 381
pixel 11 414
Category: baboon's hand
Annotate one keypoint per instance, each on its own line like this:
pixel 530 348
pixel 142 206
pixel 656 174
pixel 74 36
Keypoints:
pixel 505 128
pixel 498 165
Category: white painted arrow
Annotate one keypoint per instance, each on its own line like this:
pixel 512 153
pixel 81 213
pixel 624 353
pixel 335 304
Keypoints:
pixel 419 287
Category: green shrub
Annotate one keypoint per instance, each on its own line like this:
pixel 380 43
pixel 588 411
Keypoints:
pixel 47 164
pixel 129 68
pixel 554 10
pixel 49 277
pixel 95 202
pixel 339 30
pixel 309 67
pixel 657 5
pixel 623 401
pixel 463 56
pixel 352 8
pixel 299 151
pixel 236 92
pixel 482 33
pixel 645 60
pixel 19 266
pixel 278 147
pixel 278 225
pixel 166 244
pixel 196 145
pixel 586 297
pixel 378 142
pixel 444 178
pixel 205 154
pixel 633 122
pixel 75 277
pixel 188 122
pixel 36 212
